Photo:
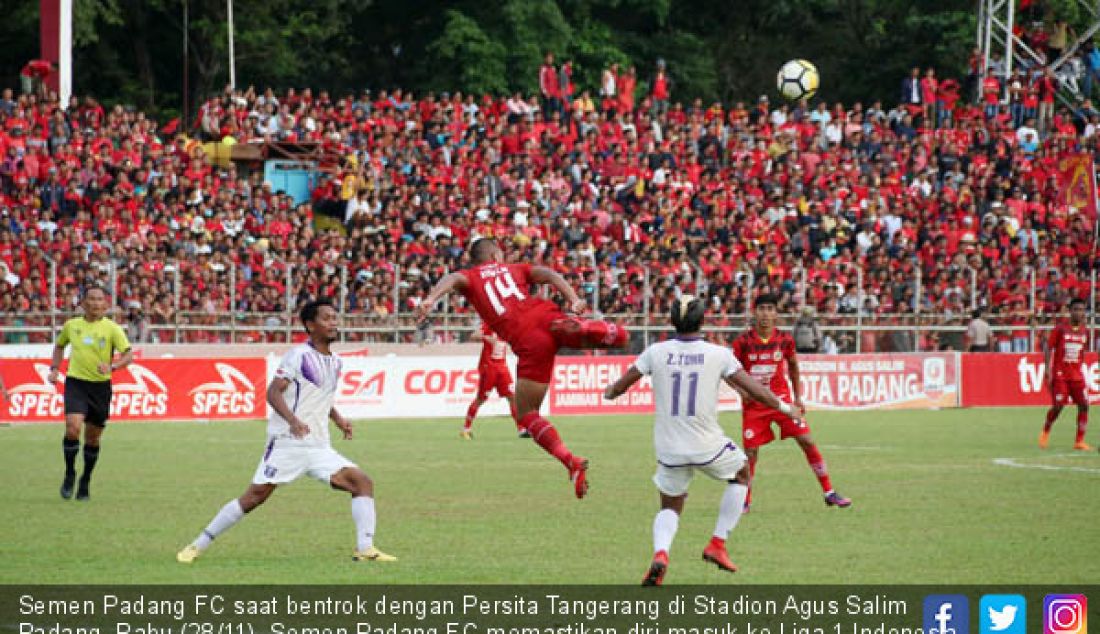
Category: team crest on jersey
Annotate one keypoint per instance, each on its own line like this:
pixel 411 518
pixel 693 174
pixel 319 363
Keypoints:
pixel 777 355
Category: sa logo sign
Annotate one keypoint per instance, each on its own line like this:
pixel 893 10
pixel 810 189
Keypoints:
pixel 359 384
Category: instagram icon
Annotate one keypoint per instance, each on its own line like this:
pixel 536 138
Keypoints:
pixel 1065 614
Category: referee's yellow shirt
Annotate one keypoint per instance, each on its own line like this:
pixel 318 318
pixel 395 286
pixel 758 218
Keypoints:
pixel 93 342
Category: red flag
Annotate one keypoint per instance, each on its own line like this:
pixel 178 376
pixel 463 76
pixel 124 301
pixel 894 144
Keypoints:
pixel 1077 183
pixel 171 127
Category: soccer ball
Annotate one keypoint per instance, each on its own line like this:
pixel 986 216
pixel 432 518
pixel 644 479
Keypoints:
pixel 797 80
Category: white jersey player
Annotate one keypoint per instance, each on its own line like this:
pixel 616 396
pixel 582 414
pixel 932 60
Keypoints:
pixel 302 397
pixel 686 373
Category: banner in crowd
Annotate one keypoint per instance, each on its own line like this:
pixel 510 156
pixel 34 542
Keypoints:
pixel 1016 380
pixel 1077 183
pixel 151 389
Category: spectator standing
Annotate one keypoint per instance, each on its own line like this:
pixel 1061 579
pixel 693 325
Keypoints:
pixel 565 85
pixel 807 335
pixel 1048 88
pixel 549 87
pixel 978 333
pixel 660 88
pixel 928 89
pixel 1059 36
pixel 627 82
pixel 911 90
pixel 608 83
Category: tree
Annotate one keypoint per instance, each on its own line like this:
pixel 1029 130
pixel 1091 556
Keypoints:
pixel 131 50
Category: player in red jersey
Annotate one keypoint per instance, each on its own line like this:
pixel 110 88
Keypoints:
pixel 493 374
pixel 1065 353
pixel 768 355
pixel 535 328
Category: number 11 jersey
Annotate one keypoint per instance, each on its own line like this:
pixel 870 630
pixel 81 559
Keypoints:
pixel 686 375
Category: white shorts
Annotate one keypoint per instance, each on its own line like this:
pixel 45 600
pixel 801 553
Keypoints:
pixel 673 479
pixel 285 461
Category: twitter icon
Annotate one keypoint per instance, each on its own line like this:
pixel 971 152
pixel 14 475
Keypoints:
pixel 1003 614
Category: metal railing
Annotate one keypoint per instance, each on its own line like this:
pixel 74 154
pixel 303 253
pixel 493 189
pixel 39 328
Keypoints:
pixel 857 331
pixel 842 333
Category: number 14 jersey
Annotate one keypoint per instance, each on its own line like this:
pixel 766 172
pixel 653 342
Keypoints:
pixel 499 294
pixel 686 375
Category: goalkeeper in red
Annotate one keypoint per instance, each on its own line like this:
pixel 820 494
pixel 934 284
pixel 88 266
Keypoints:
pixel 1065 353
pixel 767 355
pixel 535 328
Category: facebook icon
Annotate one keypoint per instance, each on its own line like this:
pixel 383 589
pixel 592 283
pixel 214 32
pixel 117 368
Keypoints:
pixel 946 614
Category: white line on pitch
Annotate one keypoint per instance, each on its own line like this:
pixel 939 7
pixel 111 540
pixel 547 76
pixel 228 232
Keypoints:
pixel 854 447
pixel 1009 462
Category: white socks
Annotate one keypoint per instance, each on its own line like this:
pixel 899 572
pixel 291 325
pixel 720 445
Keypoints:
pixel 229 515
pixel 729 511
pixel 362 511
pixel 664 529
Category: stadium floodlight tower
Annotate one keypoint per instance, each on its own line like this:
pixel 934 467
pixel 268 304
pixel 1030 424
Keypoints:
pixel 996 23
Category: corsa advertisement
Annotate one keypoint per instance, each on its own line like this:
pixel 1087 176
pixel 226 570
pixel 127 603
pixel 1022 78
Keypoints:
pixel 149 389
pixel 1011 380
pixel 412 387
pixel 828 382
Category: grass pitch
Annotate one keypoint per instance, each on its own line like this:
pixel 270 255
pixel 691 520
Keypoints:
pixel 932 505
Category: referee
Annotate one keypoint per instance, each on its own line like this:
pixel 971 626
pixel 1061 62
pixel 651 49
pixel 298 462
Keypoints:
pixel 95 340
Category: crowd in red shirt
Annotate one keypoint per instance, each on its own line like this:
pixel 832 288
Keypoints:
pixel 725 199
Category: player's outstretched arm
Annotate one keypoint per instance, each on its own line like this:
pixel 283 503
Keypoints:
pixel 618 388
pixel 741 380
pixel 452 282
pixel 545 275
pixel 275 399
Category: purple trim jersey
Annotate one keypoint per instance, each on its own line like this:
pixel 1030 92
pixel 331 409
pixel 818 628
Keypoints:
pixel 314 378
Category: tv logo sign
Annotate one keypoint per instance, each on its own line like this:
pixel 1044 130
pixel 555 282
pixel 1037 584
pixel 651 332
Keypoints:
pixel 1065 614
pixel 1003 614
pixel 946 614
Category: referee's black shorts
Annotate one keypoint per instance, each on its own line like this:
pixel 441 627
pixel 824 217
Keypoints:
pixel 91 398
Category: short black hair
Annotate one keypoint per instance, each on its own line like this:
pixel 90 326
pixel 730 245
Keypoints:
pixel 1076 300
pixel 766 299
pixel 481 248
pixel 687 314
pixel 94 287
pixel 310 310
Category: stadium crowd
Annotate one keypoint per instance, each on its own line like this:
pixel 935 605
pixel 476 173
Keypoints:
pixel 625 192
